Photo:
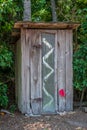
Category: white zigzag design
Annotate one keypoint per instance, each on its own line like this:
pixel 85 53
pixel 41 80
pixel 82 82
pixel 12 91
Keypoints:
pixel 48 75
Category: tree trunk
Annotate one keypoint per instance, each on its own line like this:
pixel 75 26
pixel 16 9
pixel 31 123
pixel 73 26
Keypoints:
pixel 27 10
pixel 53 7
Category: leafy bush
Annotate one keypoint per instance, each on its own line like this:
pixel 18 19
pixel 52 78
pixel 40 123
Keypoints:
pixel 3 96
pixel 5 56
pixel 6 73
pixel 13 108
pixel 10 11
pixel 80 60
pixel 80 67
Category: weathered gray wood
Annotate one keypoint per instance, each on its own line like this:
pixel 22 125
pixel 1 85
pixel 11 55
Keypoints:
pixel 69 87
pixel 36 95
pixel 44 25
pixel 61 68
pixel 54 32
pixel 48 41
pixel 30 71
pixel 27 70
pixel 23 72
pixel 56 73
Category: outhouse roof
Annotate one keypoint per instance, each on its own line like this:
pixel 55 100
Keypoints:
pixel 44 25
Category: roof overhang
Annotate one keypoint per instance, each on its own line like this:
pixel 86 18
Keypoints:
pixel 43 25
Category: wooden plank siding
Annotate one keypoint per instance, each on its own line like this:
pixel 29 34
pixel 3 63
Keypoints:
pixel 31 69
pixel 27 70
pixel 23 71
pixel 61 68
pixel 48 42
pixel 23 87
pixel 69 77
pixel 56 73
pixel 36 95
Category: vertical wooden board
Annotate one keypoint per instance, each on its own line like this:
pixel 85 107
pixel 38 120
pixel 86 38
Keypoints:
pixel 36 95
pixel 27 70
pixel 56 72
pixel 61 68
pixel 18 74
pixel 48 41
pixel 69 87
pixel 23 72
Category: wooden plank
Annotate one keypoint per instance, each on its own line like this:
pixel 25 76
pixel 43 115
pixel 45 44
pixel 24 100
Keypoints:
pixel 58 25
pixel 27 70
pixel 69 87
pixel 23 72
pixel 36 95
pixel 61 68
pixel 55 64
pixel 48 31
pixel 48 41
pixel 56 73
pixel 18 75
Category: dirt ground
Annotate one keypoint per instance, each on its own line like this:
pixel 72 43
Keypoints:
pixel 76 120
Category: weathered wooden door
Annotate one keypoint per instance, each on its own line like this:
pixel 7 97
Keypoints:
pixel 48 74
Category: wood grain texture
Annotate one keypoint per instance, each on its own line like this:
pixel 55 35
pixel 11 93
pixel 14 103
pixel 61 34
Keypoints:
pixel 56 73
pixel 36 95
pixel 56 25
pixel 48 41
pixel 69 86
pixel 61 68
pixel 23 72
pixel 27 70
pixel 30 71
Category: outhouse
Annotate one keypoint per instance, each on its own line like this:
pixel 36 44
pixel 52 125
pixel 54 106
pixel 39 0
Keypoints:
pixel 44 67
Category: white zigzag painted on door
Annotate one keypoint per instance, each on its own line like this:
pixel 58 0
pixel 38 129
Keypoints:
pixel 46 56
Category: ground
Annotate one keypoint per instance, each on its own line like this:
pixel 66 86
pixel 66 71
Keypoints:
pixel 76 120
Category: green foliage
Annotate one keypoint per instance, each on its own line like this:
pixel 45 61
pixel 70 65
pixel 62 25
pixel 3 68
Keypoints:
pixel 5 56
pixel 10 11
pixel 3 95
pixel 68 10
pixel 80 60
pixel 12 108
pixel 80 67
pixel 6 72
pixel 41 10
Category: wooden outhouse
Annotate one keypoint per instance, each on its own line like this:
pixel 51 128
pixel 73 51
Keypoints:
pixel 44 67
